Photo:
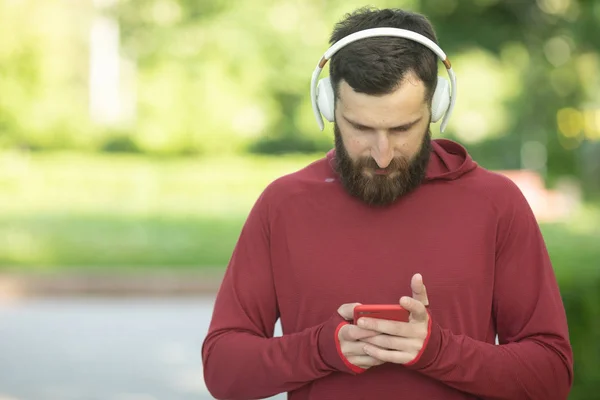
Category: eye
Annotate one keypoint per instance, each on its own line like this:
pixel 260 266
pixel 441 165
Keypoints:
pixel 401 129
pixel 361 128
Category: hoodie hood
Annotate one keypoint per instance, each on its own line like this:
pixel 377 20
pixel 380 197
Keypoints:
pixel 448 160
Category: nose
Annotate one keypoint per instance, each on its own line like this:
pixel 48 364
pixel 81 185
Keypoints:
pixel 382 152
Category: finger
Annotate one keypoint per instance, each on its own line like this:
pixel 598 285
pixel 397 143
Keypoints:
pixel 389 327
pixel 347 310
pixel 353 333
pixel 387 342
pixel 350 349
pixel 419 292
pixel 417 310
pixel 393 356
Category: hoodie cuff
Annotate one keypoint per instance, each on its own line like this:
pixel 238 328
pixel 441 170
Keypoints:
pixel 431 347
pixel 330 348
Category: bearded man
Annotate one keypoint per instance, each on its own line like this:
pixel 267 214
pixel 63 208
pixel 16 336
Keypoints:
pixel 389 216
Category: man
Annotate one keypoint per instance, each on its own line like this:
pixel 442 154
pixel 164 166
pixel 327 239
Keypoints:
pixel 389 216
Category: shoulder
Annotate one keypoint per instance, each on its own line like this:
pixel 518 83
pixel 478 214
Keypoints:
pixel 501 191
pixel 497 192
pixel 497 185
pixel 298 183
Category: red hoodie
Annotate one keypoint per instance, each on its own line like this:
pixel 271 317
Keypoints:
pixel 308 247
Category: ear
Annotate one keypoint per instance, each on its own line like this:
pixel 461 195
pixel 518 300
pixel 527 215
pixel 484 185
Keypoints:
pixel 441 99
pixel 326 99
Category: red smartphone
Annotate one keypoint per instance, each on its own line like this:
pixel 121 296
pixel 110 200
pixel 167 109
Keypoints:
pixel 394 312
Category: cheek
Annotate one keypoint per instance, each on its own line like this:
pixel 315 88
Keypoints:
pixel 355 146
pixel 407 148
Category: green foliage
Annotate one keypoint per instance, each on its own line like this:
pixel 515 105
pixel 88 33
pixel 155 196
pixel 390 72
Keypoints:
pixel 574 251
pixel 224 77
pixel 280 145
pixel 581 297
pixel 121 143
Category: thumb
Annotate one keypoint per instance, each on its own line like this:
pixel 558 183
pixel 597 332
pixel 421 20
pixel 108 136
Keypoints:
pixel 417 310
pixel 419 292
pixel 347 310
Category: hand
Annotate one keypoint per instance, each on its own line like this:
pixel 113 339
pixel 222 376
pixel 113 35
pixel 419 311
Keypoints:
pixel 350 340
pixel 401 342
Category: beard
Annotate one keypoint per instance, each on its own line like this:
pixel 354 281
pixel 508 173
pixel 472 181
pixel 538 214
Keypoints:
pixel 403 174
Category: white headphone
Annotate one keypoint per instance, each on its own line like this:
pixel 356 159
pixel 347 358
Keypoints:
pixel 322 96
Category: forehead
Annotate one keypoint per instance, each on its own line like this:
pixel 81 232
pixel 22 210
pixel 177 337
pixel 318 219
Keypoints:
pixel 405 103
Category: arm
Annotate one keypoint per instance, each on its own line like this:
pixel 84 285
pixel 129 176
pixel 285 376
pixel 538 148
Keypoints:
pixel 241 358
pixel 534 358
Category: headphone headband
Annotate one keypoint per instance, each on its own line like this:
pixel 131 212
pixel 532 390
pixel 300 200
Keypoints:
pixel 373 32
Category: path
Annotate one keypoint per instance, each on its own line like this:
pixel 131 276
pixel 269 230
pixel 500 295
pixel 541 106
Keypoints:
pixel 103 349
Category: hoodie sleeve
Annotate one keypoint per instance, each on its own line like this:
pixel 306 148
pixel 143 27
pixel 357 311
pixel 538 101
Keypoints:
pixel 241 358
pixel 534 358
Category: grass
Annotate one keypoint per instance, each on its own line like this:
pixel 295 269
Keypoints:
pixel 574 245
pixel 70 211
pixel 72 241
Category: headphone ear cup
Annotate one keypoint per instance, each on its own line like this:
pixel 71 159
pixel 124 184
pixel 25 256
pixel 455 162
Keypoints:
pixel 441 99
pixel 325 99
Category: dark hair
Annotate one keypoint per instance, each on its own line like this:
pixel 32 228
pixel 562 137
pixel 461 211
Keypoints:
pixel 377 65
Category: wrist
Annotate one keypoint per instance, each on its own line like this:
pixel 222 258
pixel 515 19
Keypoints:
pixel 431 346
pixel 330 347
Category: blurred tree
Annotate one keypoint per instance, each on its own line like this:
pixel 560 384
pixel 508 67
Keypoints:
pixel 555 44
pixel 221 76
pixel 43 74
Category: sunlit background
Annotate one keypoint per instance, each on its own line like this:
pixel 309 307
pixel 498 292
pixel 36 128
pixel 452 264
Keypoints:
pixel 135 135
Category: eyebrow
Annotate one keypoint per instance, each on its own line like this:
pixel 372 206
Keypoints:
pixel 395 128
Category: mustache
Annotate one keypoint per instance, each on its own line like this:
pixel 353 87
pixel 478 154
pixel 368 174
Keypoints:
pixel 396 164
